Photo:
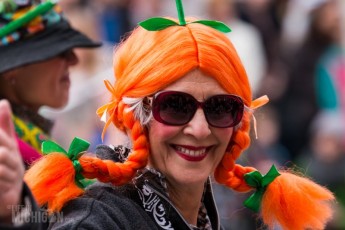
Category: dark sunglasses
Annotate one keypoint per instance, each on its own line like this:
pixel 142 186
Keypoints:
pixel 178 108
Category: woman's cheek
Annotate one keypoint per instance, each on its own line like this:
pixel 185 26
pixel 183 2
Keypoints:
pixel 162 132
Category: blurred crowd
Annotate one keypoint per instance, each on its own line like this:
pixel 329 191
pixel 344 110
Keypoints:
pixel 293 51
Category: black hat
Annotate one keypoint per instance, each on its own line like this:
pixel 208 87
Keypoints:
pixel 43 37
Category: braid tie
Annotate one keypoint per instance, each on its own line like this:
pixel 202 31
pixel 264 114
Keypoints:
pixel 259 182
pixel 77 147
pixel 53 185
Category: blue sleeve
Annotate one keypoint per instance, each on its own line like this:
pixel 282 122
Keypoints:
pixel 326 92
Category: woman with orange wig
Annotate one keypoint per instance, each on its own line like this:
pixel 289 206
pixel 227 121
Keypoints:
pixel 183 98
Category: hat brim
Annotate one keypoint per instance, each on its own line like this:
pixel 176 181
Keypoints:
pixel 46 44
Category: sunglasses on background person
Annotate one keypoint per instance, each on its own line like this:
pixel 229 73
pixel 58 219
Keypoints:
pixel 178 108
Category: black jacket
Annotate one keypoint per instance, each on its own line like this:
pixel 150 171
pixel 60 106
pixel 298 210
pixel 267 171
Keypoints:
pixel 143 205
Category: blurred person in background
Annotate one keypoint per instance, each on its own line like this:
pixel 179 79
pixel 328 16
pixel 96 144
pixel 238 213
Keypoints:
pixel 35 61
pixel 330 69
pixel 87 91
pixel 298 104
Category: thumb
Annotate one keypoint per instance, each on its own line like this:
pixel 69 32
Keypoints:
pixel 6 123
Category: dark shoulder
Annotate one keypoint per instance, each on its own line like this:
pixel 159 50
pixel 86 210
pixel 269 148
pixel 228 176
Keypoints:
pixel 103 191
pixel 104 206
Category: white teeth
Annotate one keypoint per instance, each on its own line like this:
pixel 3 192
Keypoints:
pixel 189 152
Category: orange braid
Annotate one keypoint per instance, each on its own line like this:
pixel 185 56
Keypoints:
pixel 114 172
pixel 55 185
pixel 229 173
pixel 50 184
pixel 296 203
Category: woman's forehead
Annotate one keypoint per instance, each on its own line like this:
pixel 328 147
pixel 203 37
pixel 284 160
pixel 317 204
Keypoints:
pixel 197 82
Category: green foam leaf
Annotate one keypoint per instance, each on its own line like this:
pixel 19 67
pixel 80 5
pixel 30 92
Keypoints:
pixel 157 23
pixel 220 26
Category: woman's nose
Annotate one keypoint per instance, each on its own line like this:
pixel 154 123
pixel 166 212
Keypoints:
pixel 198 126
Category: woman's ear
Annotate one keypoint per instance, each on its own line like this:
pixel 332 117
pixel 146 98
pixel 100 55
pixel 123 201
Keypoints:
pixel 9 76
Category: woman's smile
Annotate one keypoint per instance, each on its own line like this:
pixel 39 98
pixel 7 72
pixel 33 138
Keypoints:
pixel 191 153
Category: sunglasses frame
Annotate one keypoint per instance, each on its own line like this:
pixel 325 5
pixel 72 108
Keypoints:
pixel 150 106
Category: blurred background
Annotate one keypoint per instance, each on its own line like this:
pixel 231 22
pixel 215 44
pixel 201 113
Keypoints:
pixel 293 51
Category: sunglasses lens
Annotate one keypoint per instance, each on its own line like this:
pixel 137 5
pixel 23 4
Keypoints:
pixel 174 108
pixel 178 108
pixel 223 110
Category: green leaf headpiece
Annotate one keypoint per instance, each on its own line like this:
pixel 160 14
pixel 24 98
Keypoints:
pixel 159 23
